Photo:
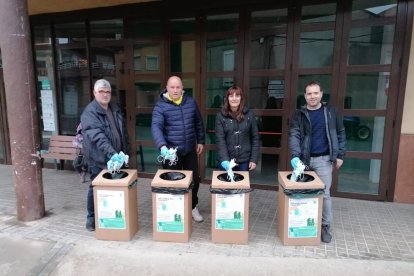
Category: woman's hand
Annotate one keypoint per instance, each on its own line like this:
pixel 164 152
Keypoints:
pixel 252 166
pixel 200 148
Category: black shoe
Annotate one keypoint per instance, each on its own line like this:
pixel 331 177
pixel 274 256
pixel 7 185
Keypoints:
pixel 90 224
pixel 326 236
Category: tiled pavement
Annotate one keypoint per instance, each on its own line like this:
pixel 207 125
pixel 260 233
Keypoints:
pixel 361 229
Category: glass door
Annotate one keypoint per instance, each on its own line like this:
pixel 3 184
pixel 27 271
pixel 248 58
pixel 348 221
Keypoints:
pixel 350 54
pixel 266 77
pixel 146 63
pixel 271 53
pixel 368 96
pixel 222 65
pixel 73 75
pixel 252 49
pixel 107 58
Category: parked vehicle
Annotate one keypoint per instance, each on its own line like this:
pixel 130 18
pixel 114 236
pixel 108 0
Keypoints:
pixel 354 128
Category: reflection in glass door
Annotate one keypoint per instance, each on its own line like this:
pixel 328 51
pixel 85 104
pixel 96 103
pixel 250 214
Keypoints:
pixel 255 58
pixel 147 77
pixel 72 74
pixel 107 56
pixel 265 77
pixel 368 59
pixel 221 64
pixel 152 65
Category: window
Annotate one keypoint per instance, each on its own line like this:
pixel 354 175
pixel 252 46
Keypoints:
pixel 152 63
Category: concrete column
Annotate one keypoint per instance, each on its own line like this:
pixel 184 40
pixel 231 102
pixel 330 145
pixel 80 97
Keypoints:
pixel 22 113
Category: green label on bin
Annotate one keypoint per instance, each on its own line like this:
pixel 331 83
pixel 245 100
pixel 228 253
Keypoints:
pixel 170 213
pixel 230 224
pixel 229 212
pixel 303 232
pixel 117 223
pixel 172 227
pixel 111 209
pixel 303 217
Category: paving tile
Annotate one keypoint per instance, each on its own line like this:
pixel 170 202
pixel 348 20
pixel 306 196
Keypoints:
pixel 361 229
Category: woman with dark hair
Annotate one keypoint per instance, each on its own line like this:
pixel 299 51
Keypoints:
pixel 237 134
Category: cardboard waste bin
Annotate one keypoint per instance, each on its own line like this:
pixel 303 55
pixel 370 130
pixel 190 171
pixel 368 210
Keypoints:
pixel 172 205
pixel 230 208
pixel 116 212
pixel 300 209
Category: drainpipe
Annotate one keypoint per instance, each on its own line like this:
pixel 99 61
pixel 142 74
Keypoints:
pixel 22 113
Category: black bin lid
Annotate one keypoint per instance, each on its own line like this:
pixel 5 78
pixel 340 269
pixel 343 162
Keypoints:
pixel 223 177
pixel 116 175
pixel 304 178
pixel 172 176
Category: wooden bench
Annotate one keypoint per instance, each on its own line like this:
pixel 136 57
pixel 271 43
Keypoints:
pixel 61 148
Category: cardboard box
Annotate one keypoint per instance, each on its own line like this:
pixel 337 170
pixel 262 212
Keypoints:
pixel 299 219
pixel 230 213
pixel 116 212
pixel 171 213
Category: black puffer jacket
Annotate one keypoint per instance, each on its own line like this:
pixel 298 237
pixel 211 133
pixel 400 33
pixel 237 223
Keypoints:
pixel 239 140
pixel 98 139
pixel 179 126
pixel 300 134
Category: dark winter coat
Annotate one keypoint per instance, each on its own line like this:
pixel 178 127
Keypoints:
pixel 300 134
pixel 239 140
pixel 98 139
pixel 178 126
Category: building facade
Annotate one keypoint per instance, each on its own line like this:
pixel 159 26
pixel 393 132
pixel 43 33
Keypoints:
pixel 359 50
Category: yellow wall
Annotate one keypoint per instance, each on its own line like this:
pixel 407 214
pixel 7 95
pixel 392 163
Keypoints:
pixel 407 126
pixel 49 6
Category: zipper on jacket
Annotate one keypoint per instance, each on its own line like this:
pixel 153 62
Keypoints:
pixel 328 135
pixel 182 119
pixel 237 138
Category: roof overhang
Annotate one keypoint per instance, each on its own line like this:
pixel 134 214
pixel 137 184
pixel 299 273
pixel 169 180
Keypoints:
pixel 54 6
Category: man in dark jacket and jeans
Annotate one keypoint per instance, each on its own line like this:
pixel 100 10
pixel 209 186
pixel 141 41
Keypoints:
pixel 104 134
pixel 317 138
pixel 177 123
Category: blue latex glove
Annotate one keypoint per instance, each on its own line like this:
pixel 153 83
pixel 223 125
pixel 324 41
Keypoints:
pixel 164 151
pixel 115 157
pixel 225 165
pixel 294 162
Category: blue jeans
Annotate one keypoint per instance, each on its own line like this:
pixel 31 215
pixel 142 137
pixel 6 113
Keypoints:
pixel 323 168
pixel 94 171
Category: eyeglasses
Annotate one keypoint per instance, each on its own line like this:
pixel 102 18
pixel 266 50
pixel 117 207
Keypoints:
pixel 107 92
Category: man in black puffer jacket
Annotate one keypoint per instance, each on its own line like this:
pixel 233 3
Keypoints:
pixel 177 123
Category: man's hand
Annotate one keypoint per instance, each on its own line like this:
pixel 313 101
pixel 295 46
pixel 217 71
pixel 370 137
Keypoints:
pixel 338 163
pixel 200 148
pixel 252 166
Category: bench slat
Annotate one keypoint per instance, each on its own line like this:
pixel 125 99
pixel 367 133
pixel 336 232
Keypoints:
pixel 61 150
pixel 65 144
pixel 61 147
pixel 63 138
pixel 60 156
